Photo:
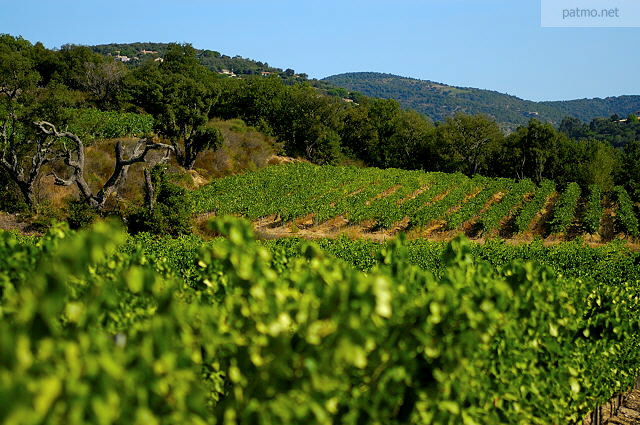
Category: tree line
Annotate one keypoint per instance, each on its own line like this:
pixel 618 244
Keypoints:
pixel 39 89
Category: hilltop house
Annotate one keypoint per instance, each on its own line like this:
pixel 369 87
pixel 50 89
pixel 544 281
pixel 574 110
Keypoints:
pixel 149 52
pixel 122 58
pixel 227 72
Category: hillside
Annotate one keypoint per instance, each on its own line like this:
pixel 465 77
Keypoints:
pixel 325 201
pixel 433 99
pixel 134 53
pixel 439 101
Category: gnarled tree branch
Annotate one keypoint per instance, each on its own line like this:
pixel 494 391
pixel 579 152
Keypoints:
pixel 14 167
pixel 75 159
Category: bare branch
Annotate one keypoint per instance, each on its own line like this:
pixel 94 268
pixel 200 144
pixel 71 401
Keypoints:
pixel 58 181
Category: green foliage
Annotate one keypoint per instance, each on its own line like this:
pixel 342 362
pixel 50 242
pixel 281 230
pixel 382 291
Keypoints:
pixel 80 214
pixel 472 207
pixel 91 124
pixel 11 200
pixel 184 91
pixel 65 358
pixel 43 217
pixel 565 209
pixel 493 218
pixel 630 173
pixel 97 330
pixel 208 138
pixel 617 131
pixel 469 142
pixel 594 211
pixel 533 207
pixel 213 60
pixel 586 162
pixel 532 150
pixel 179 93
pixel 626 216
pixel 171 212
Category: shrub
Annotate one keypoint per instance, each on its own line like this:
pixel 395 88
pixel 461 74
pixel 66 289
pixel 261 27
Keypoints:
pixel 80 214
pixel 11 200
pixel 44 216
pixel 171 213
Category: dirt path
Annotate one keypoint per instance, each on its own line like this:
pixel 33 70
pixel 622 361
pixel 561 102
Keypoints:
pixel 271 228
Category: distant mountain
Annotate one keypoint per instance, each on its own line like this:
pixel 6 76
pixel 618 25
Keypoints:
pixel 439 101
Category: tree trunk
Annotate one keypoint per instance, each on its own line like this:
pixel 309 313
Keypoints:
pixel 189 156
pixel 149 190
pixel 27 193
pixel 189 164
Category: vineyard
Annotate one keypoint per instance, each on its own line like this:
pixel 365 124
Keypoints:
pixel 99 327
pixel 162 262
pixel 383 202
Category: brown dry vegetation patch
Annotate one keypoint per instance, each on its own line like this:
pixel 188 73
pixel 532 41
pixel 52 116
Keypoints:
pixel 434 227
pixel 244 148
pixel 279 160
pixel 331 225
pixel 15 223
pixel 271 228
pixel 201 226
pixel 368 225
pixel 269 221
pixel 400 225
pixel 628 413
pixel 305 221
pixel 359 232
pixel 99 164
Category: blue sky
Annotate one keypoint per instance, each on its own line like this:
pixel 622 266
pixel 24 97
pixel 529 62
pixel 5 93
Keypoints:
pixel 492 44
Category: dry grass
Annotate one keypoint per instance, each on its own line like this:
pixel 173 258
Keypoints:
pixel 244 148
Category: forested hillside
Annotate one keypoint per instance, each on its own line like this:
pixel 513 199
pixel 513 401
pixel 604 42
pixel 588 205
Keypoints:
pixel 439 101
pixel 137 53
